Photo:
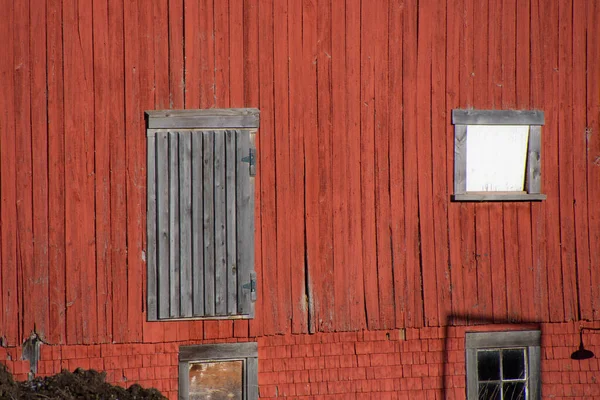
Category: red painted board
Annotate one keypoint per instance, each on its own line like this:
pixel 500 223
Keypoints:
pixel 22 116
pixel 282 162
pixel 102 168
pixel 385 279
pixel 266 166
pixel 309 94
pixel 118 170
pixel 424 163
pixel 396 156
pixel 550 156
pixel 299 299
pixel 39 139
pixel 8 178
pixel 441 187
pixel 136 173
pixel 565 158
pixel 367 163
pixel 593 153
pixel 453 17
pixel 176 60
pixel 414 312
pixel 56 175
pixel 580 164
pixel 355 267
pixel 160 26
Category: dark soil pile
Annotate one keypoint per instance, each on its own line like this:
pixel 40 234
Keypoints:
pixel 80 384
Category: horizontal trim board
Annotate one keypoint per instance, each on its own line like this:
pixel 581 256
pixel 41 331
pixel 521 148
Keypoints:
pixel 478 340
pixel 497 117
pixel 203 119
pixel 498 197
pixel 218 351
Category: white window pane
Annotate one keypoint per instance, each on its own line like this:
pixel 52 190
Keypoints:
pixel 496 157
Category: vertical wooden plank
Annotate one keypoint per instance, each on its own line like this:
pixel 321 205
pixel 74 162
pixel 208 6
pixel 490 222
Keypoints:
pixel 453 12
pixel 296 168
pixel 497 266
pixel 8 179
pixel 324 134
pixel 382 170
pixel 39 133
pixel 220 210
pixel 236 99
pixel 424 163
pixel 134 154
pixel 414 314
pixel 231 221
pixel 222 54
pixel 118 169
pixel 160 25
pixel 206 31
pixel 441 194
pixel 266 169
pixel 151 224
pixel 163 232
pixel 593 145
pixel 513 291
pixel 208 187
pixel 56 178
pixel 244 212
pixel 356 291
pixel 282 160
pixel 467 211
pixel 79 174
pixel 396 154
pixel 482 99
pixel 339 173
pixel 176 63
pixel 185 226
pixel 565 158
pixel 523 66
pixel 192 62
pixel 538 229
pixel 550 154
pixel 22 116
pixel 102 169
pixel 251 99
pixel 367 163
pixel 197 224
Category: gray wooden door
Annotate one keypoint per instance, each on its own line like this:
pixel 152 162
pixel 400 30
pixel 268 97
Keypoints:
pixel 200 223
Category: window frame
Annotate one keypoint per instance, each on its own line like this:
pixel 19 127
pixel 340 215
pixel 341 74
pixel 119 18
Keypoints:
pixel 529 339
pixel 246 352
pixel 462 119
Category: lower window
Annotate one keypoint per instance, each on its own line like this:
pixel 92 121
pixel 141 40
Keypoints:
pixel 219 371
pixel 503 365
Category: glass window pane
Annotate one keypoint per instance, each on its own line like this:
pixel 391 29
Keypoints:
pixel 489 391
pixel 513 364
pixel 514 390
pixel 216 380
pixel 488 365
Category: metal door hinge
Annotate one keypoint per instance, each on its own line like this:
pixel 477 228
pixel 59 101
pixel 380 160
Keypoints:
pixel 251 160
pixel 252 286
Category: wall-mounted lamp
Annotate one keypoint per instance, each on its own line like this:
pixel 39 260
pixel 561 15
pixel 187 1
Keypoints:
pixel 582 353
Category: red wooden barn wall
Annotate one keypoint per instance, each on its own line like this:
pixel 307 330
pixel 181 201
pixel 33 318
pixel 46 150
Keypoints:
pixel 355 228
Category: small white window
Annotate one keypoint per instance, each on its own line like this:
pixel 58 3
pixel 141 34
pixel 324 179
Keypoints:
pixel 503 365
pixel 497 155
pixel 219 371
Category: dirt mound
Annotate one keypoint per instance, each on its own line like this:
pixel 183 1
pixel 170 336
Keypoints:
pixel 80 384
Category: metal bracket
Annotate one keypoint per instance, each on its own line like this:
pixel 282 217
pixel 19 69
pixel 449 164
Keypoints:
pixel 252 286
pixel 251 160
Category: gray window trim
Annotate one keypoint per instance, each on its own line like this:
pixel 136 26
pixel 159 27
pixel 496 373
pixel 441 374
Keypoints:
pixel 463 118
pixel 481 340
pixel 246 352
